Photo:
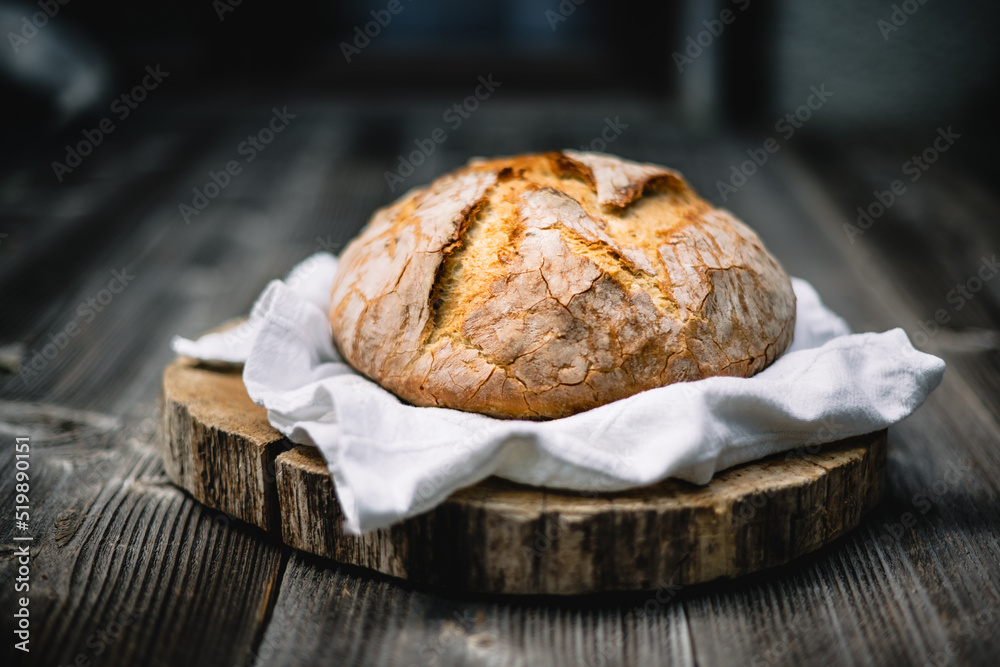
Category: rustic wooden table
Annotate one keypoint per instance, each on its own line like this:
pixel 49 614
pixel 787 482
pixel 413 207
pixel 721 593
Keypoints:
pixel 99 271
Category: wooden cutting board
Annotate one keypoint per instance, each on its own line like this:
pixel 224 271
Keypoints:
pixel 502 537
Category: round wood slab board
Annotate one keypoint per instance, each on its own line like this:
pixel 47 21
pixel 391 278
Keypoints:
pixel 502 537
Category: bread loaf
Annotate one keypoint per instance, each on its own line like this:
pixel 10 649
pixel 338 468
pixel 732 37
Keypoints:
pixel 538 286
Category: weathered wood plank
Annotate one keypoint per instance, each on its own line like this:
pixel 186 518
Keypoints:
pixel 330 614
pixel 125 568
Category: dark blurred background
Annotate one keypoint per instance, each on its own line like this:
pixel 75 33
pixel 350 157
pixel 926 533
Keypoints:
pixel 930 63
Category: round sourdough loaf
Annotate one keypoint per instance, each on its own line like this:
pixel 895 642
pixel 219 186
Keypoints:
pixel 538 286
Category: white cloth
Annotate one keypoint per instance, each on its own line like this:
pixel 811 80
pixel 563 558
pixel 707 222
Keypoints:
pixel 391 460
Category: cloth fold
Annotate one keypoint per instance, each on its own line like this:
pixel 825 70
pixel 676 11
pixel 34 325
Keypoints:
pixel 390 460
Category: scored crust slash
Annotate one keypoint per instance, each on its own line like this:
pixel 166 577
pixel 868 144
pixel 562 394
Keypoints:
pixel 539 286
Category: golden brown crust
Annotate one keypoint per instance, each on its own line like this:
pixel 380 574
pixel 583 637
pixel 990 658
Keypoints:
pixel 538 286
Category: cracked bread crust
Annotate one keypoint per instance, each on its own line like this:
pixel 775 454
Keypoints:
pixel 539 286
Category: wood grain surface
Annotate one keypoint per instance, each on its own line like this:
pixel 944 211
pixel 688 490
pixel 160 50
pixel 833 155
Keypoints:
pixel 917 583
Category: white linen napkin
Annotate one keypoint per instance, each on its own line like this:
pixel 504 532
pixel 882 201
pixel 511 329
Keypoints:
pixel 391 460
